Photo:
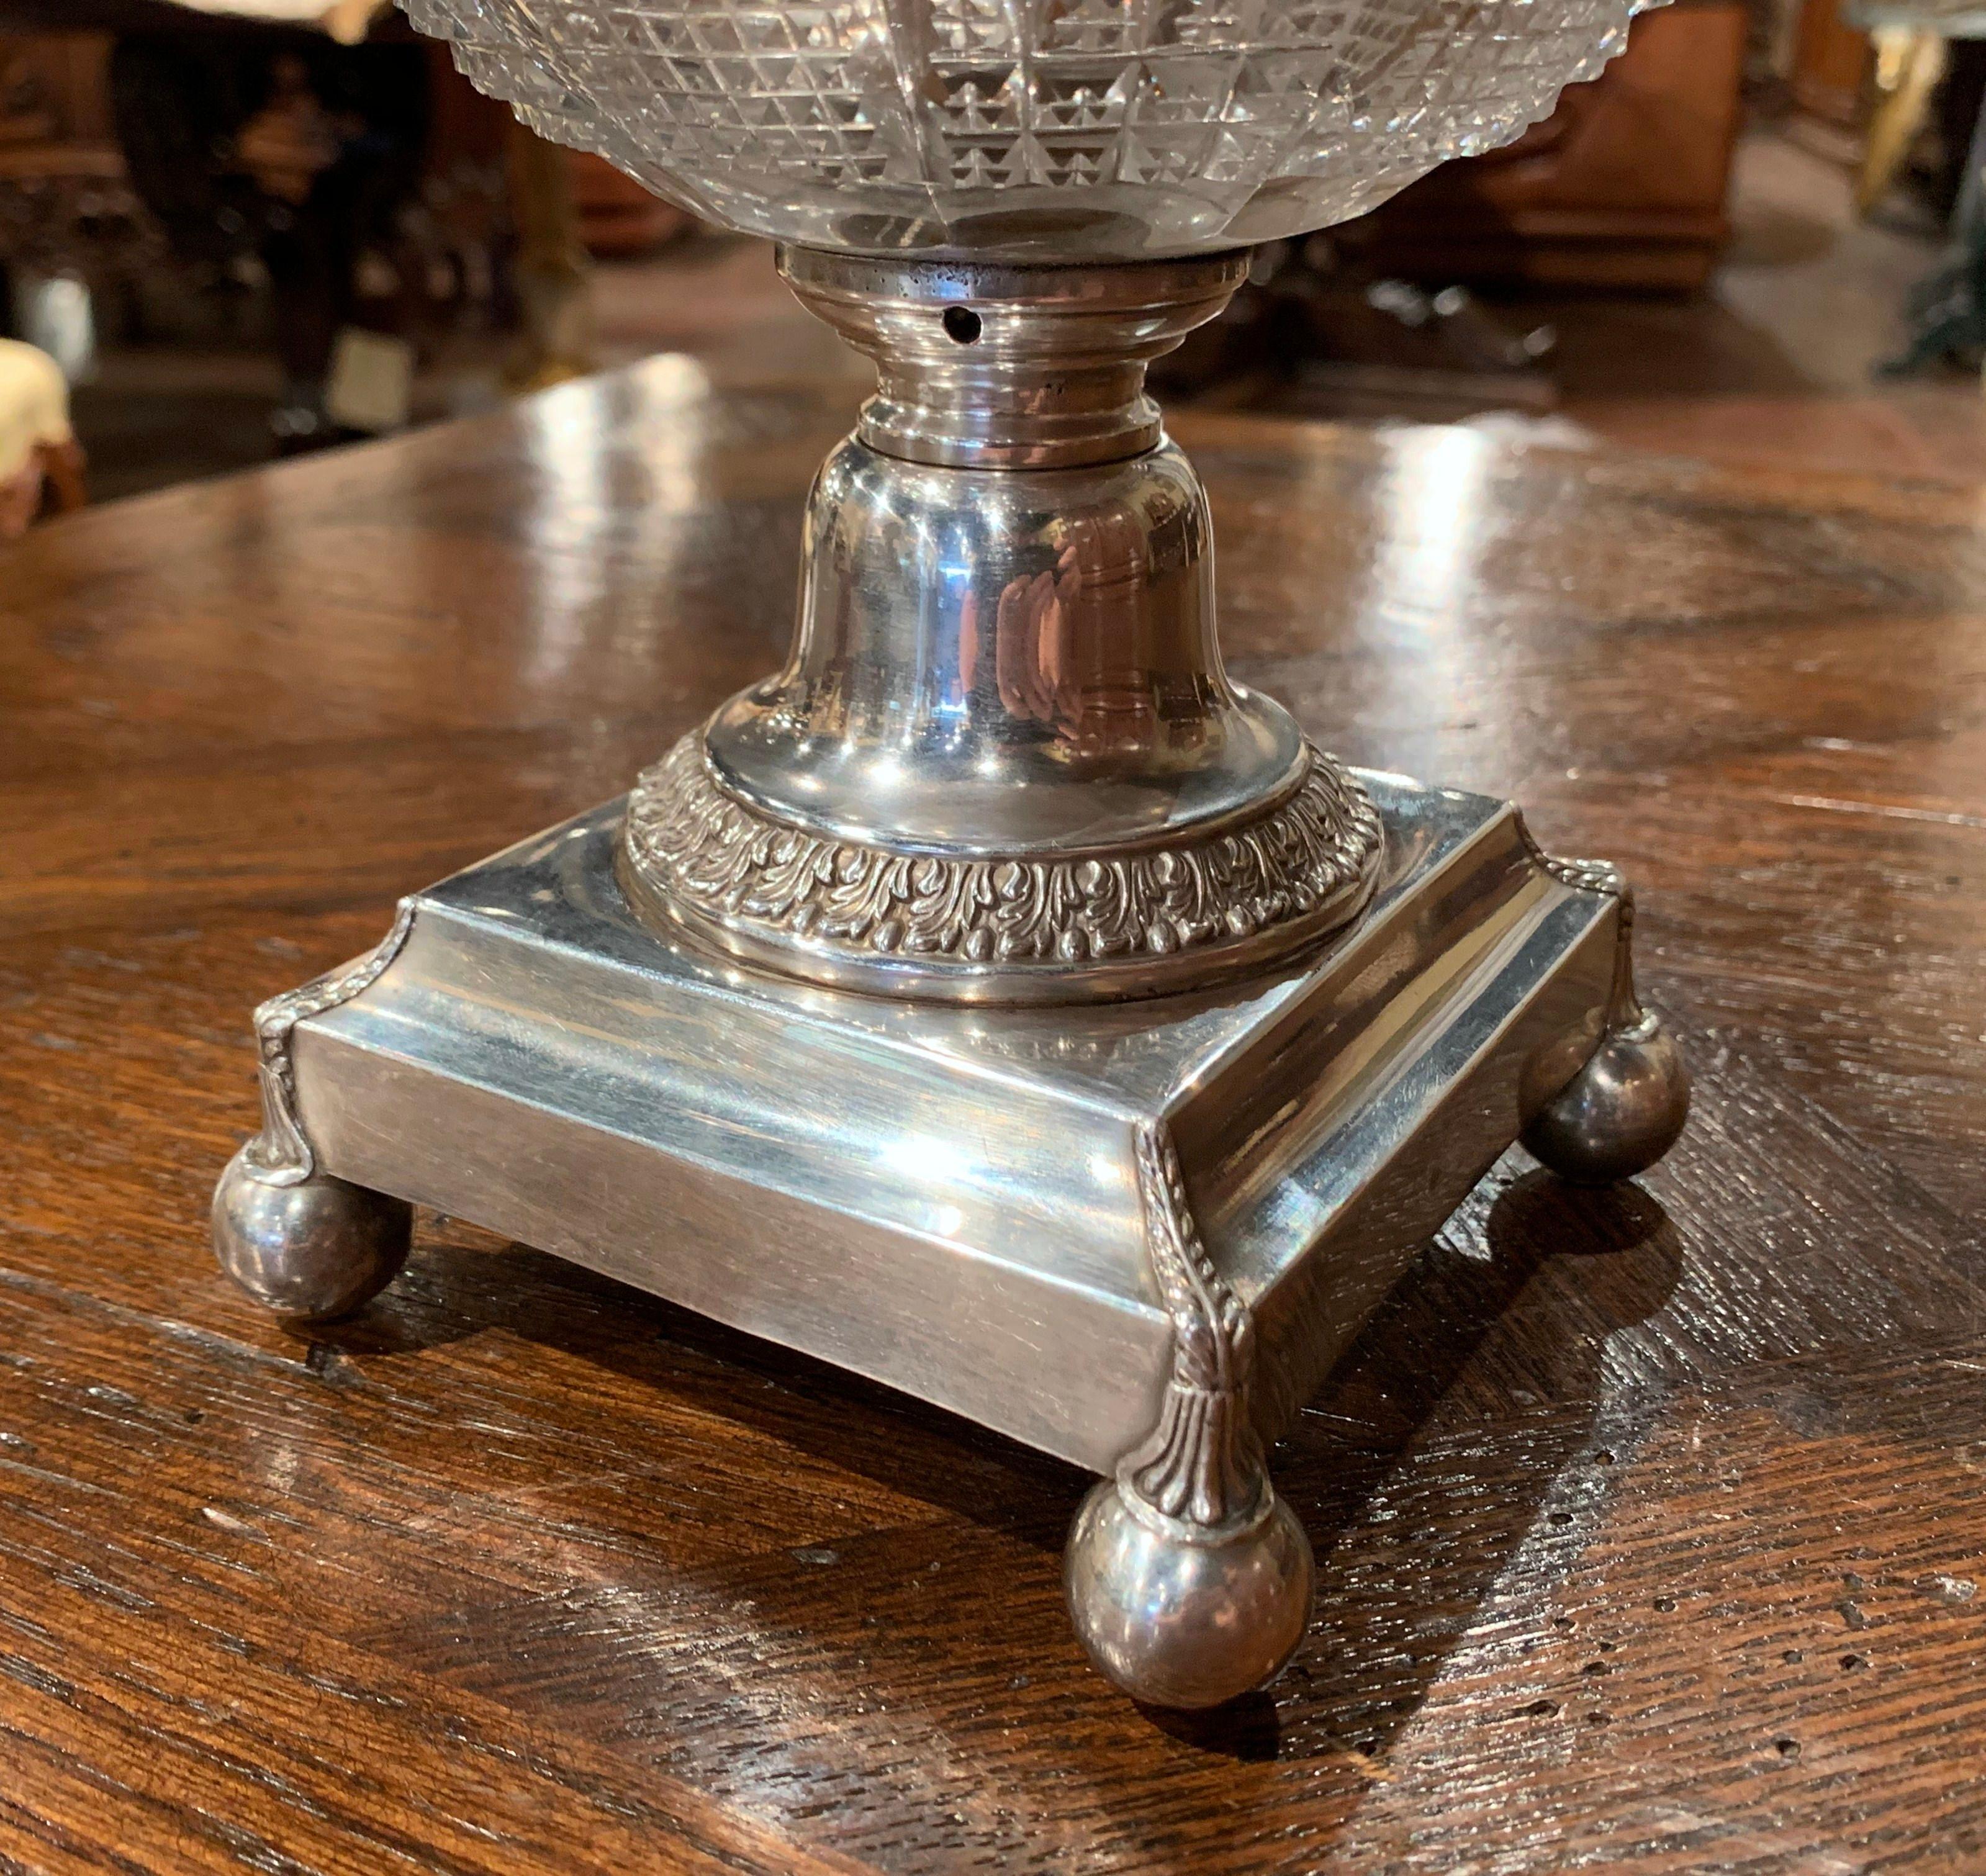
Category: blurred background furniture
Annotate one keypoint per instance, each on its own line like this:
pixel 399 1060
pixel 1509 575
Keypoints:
pixel 1926 71
pixel 1902 81
pixel 67 204
pixel 500 267
pixel 618 217
pixel 1623 189
pixel 1909 60
pixel 1623 186
pixel 1912 44
pixel 1828 60
pixel 196 163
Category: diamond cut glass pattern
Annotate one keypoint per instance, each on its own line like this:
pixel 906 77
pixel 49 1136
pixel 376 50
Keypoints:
pixel 1042 130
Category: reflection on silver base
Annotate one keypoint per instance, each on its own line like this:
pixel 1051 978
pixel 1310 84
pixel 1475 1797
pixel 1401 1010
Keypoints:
pixel 1136 1235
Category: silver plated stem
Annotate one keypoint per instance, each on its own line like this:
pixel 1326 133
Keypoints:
pixel 1004 762
pixel 988 366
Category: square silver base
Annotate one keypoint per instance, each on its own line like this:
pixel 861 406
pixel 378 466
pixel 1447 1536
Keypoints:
pixel 949 1200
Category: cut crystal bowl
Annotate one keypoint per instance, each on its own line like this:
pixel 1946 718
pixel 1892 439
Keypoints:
pixel 1048 130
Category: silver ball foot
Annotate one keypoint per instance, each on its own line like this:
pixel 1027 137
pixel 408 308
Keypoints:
pixel 1620 1113
pixel 1178 1615
pixel 311 1249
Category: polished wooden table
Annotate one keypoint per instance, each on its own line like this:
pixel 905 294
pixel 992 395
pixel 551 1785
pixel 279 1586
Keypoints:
pixel 1650 1525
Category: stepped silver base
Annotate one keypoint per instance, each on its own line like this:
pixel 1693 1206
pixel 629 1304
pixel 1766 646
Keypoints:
pixel 1135 1235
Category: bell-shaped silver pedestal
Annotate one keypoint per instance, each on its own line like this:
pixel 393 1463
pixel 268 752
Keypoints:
pixel 1004 762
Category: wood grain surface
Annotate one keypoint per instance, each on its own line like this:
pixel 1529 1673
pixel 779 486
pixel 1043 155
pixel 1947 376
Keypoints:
pixel 1651 1525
